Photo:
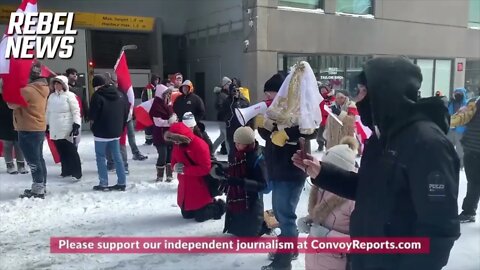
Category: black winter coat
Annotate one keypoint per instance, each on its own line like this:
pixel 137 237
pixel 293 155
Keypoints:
pixel 189 103
pixel 7 131
pixel 279 159
pixel 221 98
pixel 250 222
pixel 229 116
pixel 109 112
pixel 407 185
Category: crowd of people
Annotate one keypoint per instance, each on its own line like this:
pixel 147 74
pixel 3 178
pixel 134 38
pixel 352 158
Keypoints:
pixel 405 185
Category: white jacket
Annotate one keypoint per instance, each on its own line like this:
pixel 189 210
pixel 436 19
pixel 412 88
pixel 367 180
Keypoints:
pixel 62 111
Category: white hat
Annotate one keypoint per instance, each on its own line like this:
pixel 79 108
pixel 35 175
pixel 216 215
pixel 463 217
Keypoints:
pixel 189 120
pixel 342 155
pixel 226 81
pixel 160 89
pixel 244 135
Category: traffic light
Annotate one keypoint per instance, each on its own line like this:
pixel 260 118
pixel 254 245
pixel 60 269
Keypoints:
pixel 90 77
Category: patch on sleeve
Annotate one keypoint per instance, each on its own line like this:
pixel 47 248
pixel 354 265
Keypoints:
pixel 436 186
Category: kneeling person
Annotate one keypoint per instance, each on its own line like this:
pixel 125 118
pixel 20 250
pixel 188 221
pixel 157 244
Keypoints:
pixel 247 178
pixel 191 160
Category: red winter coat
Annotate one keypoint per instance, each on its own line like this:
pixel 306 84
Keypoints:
pixel 193 152
pixel 326 101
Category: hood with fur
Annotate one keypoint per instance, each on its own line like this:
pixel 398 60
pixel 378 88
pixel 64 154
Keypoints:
pixel 62 80
pixel 179 134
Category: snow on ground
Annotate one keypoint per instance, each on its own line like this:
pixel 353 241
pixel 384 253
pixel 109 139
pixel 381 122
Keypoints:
pixel 145 209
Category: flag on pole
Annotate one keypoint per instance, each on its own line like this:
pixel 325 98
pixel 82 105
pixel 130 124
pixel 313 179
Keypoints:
pixel 14 71
pixel 125 85
pixel 142 115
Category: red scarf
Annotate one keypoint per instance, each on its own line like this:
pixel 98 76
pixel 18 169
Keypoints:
pixel 237 197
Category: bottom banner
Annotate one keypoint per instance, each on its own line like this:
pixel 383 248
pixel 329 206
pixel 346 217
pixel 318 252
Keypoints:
pixel 238 245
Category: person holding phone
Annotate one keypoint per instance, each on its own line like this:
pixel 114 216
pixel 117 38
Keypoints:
pixel 407 183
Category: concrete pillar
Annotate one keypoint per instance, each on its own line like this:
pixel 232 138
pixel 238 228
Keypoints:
pixel 330 6
pixel 157 48
pixel 259 64
pixel 459 75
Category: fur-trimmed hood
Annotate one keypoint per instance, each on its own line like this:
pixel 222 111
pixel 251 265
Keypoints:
pixel 179 134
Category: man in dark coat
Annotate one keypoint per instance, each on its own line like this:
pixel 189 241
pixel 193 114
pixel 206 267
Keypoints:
pixel 72 75
pixel 189 102
pixel 235 100
pixel 407 184
pixel 470 117
pixel 147 94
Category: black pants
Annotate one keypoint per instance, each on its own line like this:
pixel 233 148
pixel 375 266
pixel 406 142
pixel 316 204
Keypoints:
pixel 149 134
pixel 164 154
pixel 472 170
pixel 320 140
pixel 209 211
pixel 69 157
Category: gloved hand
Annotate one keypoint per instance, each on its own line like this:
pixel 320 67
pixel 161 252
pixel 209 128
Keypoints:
pixel 47 131
pixel 304 224
pixel 269 124
pixel 318 230
pixel 235 181
pixel 336 110
pixel 280 138
pixel 75 128
pixel 172 119
pixel 178 168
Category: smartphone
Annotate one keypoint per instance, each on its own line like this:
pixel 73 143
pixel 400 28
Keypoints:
pixel 303 150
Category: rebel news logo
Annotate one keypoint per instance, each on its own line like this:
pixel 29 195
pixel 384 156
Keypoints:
pixel 41 35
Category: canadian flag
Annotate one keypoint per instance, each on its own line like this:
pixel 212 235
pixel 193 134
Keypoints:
pixel 15 72
pixel 142 115
pixel 124 84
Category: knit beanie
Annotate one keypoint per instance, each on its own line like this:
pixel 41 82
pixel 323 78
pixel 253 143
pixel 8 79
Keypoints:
pixel 226 81
pixel 189 120
pixel 244 135
pixel 342 155
pixel 274 83
pixel 99 80
pixel 35 71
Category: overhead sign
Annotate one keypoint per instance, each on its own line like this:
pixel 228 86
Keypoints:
pixel 97 20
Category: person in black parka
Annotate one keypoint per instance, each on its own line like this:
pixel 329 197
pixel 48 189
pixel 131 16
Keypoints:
pixel 407 184
pixel 247 179
pixel 235 100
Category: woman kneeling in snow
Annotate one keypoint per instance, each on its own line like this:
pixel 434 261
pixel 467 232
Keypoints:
pixel 329 214
pixel 191 160
pixel 247 178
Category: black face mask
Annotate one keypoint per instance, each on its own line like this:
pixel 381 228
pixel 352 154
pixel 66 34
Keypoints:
pixel 365 111
pixel 458 97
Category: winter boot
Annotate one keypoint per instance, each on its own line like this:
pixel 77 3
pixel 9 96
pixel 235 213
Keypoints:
pixel 101 188
pixel 29 194
pixel 169 173
pixel 139 156
pixel 11 168
pixel 271 256
pixel 282 261
pixel 160 171
pixel 223 149
pixel 221 209
pixel 21 167
pixel 466 218
pixel 118 187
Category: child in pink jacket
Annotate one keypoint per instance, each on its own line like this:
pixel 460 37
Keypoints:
pixel 329 214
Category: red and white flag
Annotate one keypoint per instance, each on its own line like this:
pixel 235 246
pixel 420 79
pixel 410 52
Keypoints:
pixel 124 84
pixel 14 71
pixel 142 115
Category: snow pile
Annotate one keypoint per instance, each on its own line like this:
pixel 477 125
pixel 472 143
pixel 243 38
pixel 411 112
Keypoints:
pixel 145 209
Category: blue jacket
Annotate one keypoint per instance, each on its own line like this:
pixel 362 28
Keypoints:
pixel 451 108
